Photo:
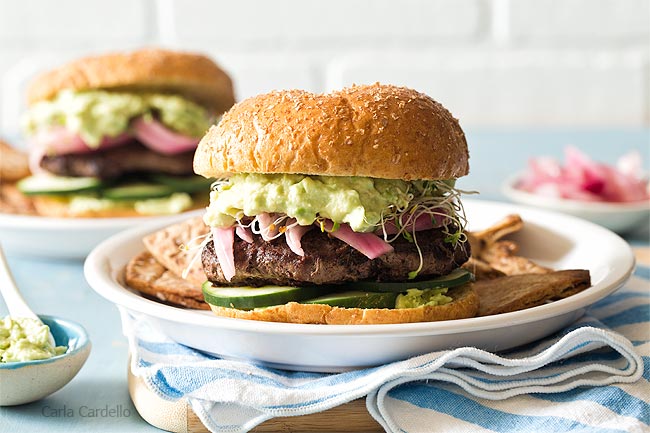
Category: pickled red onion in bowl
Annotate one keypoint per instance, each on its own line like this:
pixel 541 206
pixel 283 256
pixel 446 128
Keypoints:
pixel 614 196
pixel 583 179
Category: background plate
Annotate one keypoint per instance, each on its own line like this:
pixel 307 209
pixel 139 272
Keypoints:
pixel 66 238
pixel 554 240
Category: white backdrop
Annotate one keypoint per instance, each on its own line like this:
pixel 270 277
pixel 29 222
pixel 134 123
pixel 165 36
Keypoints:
pixel 500 63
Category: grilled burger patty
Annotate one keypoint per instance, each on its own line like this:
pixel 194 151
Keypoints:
pixel 118 161
pixel 328 260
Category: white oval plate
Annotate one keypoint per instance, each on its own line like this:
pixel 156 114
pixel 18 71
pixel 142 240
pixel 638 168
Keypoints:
pixel 559 241
pixel 65 238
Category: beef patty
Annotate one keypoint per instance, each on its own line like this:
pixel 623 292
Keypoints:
pixel 328 260
pixel 118 161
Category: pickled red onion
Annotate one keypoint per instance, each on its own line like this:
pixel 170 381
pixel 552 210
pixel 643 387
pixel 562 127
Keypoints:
pixel 267 230
pixel 293 235
pixel 368 244
pixel 61 141
pixel 423 222
pixel 244 233
pixel 586 180
pixel 158 137
pixel 223 239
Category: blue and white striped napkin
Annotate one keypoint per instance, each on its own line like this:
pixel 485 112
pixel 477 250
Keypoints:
pixel 592 377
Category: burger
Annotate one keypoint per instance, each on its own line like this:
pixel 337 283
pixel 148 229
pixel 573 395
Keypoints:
pixel 114 135
pixel 336 208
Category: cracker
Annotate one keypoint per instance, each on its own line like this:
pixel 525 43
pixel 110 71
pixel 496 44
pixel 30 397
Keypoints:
pixel 146 275
pixel 518 292
pixel 165 246
pixel 14 164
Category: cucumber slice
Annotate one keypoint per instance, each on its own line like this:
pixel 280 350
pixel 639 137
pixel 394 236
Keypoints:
pixel 455 278
pixel 247 298
pixel 137 191
pixel 356 299
pixel 57 185
pixel 184 183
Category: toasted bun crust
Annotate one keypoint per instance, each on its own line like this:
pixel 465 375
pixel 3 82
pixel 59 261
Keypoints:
pixel 374 130
pixel 193 76
pixel 464 305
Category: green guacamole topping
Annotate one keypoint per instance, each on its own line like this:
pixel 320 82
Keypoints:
pixel 94 114
pixel 414 298
pixel 24 339
pixel 175 203
pixel 358 201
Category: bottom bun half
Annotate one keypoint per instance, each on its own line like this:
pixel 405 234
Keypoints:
pixel 465 304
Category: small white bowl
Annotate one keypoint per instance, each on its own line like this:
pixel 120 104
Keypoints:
pixel 618 217
pixel 28 381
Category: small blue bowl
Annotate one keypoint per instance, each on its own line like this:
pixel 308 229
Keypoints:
pixel 28 381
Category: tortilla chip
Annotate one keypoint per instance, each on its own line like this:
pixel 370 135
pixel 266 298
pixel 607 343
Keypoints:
pixel 518 292
pixel 476 245
pixel 146 275
pixel 510 224
pixel 501 256
pixel 482 240
pixel 13 201
pixel 14 164
pixel 165 246
pixel 481 270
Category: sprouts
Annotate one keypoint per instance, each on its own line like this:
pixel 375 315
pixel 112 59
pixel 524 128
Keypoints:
pixel 195 244
pixel 435 201
pixel 439 201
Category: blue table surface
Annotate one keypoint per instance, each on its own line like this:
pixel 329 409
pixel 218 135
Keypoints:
pixel 58 287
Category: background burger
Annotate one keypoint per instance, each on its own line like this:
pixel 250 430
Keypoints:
pixel 336 208
pixel 114 135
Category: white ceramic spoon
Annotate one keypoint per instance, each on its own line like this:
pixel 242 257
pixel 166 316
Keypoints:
pixel 13 299
pixel 27 381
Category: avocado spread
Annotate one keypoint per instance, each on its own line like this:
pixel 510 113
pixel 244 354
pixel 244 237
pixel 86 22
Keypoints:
pixel 358 201
pixel 173 204
pixel 94 114
pixel 24 339
pixel 414 298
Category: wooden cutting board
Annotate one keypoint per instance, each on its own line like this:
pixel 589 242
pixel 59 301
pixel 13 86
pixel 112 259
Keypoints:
pixel 642 255
pixel 178 416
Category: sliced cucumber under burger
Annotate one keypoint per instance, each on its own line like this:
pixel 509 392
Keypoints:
pixel 362 294
pixel 124 192
pixel 58 185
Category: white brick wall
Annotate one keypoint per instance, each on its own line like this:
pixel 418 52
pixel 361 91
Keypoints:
pixel 76 23
pixel 581 21
pixel 331 24
pixel 555 88
pixel 501 63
